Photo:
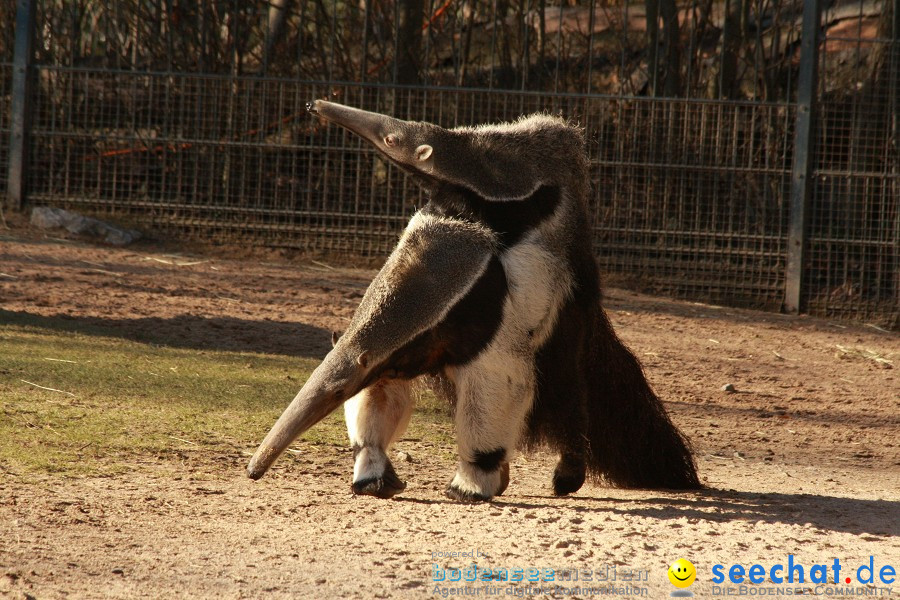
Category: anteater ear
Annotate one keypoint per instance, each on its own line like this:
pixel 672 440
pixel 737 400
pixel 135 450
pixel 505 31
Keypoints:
pixel 335 336
pixel 363 359
pixel 423 152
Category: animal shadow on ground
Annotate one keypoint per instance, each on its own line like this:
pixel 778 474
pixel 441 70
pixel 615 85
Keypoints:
pixel 194 332
pixel 877 518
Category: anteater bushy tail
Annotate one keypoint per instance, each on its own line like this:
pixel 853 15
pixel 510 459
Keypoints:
pixel 632 442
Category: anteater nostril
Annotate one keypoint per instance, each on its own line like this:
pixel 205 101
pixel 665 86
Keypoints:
pixel 311 107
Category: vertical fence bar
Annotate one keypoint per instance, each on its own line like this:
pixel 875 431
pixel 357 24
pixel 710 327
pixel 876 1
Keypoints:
pixel 20 106
pixel 804 158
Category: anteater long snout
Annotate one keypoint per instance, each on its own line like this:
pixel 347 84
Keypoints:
pixel 333 382
pixel 368 125
pixel 306 410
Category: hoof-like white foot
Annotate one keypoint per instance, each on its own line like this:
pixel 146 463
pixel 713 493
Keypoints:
pixel 481 480
pixel 374 475
pixel 385 486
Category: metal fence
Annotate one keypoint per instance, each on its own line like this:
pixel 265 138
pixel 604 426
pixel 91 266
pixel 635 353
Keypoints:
pixel 5 81
pixel 694 197
pixel 853 265
pixel 7 15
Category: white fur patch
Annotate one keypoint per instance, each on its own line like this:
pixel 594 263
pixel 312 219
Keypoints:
pixel 495 391
pixel 539 285
pixel 472 480
pixel 370 464
pixel 510 198
pixel 376 417
pixel 379 414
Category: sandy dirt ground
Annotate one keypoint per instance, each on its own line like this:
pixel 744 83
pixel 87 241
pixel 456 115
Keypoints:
pixel 802 458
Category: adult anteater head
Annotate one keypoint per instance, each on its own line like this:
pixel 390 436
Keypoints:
pixel 506 161
pixel 406 143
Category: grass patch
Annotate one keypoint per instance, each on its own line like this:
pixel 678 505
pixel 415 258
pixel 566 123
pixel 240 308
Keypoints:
pixel 120 403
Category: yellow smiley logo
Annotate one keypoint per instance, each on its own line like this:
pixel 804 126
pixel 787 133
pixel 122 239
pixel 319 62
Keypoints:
pixel 682 573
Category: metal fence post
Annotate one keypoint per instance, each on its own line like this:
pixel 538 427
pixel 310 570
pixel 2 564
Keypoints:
pixel 20 108
pixel 804 157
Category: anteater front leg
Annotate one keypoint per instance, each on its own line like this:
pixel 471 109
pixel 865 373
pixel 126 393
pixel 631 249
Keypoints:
pixel 494 393
pixel 376 417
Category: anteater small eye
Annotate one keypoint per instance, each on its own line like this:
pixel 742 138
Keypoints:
pixel 390 140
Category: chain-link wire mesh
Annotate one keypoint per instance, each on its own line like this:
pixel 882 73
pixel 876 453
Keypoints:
pixel 7 34
pixel 5 85
pixel 689 195
pixel 692 197
pixel 854 239
pixel 190 118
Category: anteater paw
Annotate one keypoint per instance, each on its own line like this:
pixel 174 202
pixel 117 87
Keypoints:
pixel 385 486
pixel 504 478
pixel 568 477
pixel 473 484
pixel 455 493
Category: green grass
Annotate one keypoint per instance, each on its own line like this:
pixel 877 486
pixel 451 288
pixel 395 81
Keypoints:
pixel 127 403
